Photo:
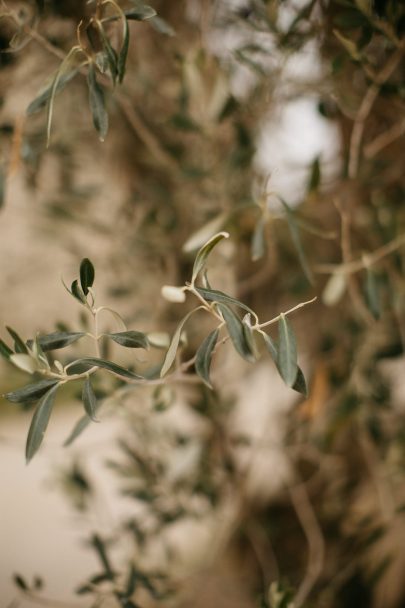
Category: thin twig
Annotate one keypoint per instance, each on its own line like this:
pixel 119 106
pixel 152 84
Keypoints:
pixel 384 139
pixel 287 312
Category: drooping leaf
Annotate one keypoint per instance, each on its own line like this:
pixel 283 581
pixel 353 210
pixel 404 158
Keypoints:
pixel 315 176
pixel 287 352
pixel 258 245
pixel 300 384
pixel 197 239
pixel 131 582
pixel 19 344
pixel 271 346
pixel 130 339
pixel 214 295
pixel 78 428
pixel 111 55
pixel 161 26
pixel 372 294
pixel 204 252
pixel 77 292
pixel 97 103
pixel 204 355
pixel 20 582
pixel 39 423
pixel 174 344
pixel 57 340
pixel 89 400
pixel 87 274
pixel 44 95
pixel 296 239
pixel 249 334
pixel 88 362
pixel 236 333
pixel 30 392
pixel 122 57
pixel 5 351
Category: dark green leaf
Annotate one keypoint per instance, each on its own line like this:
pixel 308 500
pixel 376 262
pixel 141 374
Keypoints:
pixel 296 238
pixel 111 56
pixel 88 362
pixel 100 548
pixel 57 340
pixel 131 582
pixel 20 582
pixel 249 335
pixel 315 176
pixel 87 274
pixel 236 333
pixel 19 344
pixel 39 423
pixel 174 344
pixel 287 352
pixel 77 292
pixel 204 252
pixel 30 392
pixel 97 103
pixel 44 96
pixel 203 356
pixel 122 58
pixel 213 295
pixel 161 26
pixel 5 351
pixel 258 246
pixel 89 400
pixel 372 294
pixel 130 339
pixel 79 427
pixel 300 384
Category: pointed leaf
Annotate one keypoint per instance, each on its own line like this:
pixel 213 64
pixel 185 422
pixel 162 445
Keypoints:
pixel 97 103
pixel 19 344
pixel 89 362
pixel 130 339
pixel 197 239
pixel 57 340
pixel 204 355
pixel 5 351
pixel 214 295
pixel 30 392
pixel 44 95
pixel 122 58
pixel 296 239
pixel 89 400
pixel 174 344
pixel 204 252
pixel 77 292
pixel 300 384
pixel 87 274
pixel 236 333
pixel 287 352
pixel 271 346
pixel 39 423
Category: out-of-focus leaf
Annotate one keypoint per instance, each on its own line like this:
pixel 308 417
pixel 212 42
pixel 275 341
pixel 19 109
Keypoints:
pixel 44 95
pixel 172 293
pixel 204 355
pixel 39 423
pixel 174 344
pixel 122 57
pixel 214 295
pixel 236 333
pixel 79 427
pixel 372 294
pixel 97 104
pixel 295 235
pixel 130 339
pixel 89 400
pixel 287 352
pixel 30 392
pixel 161 26
pixel 5 351
pixel 19 344
pixel 258 245
pixel 87 274
pixel 100 547
pixel 204 252
pixel 140 13
pixel 349 45
pixel 205 233
pixel 111 55
pixel 88 362
pixel 25 362
pixel 300 384
pixel 20 582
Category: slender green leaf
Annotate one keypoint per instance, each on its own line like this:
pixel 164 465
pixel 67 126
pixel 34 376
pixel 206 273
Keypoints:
pixel 39 423
pixel 87 274
pixel 287 352
pixel 372 294
pixel 30 392
pixel 213 295
pixel 20 582
pixel 100 548
pixel 296 239
pixel 204 355
pixel 236 333
pixel 79 427
pixel 258 245
pixel 249 335
pixel 271 346
pixel 111 55
pixel 174 344
pixel 57 340
pixel 130 339
pixel 161 26
pixel 77 292
pixel 19 344
pixel 89 400
pixel 88 362
pixel 300 384
pixel 204 252
pixel 122 57
pixel 43 97
pixel 97 103
pixel 5 351
pixel 131 582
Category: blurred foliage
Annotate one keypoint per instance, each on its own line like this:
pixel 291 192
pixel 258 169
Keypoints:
pixel 166 93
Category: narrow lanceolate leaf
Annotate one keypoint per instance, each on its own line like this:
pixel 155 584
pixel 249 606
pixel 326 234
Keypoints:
pixel 87 274
pixel 161 26
pixel 5 351
pixel 236 333
pixel 79 427
pixel 372 294
pixel 97 103
pixel 39 423
pixel 30 392
pixel 258 245
pixel 111 55
pixel 204 355
pixel 130 339
pixel 214 295
pixel 140 13
pixel 249 335
pixel 122 57
pixel 300 384
pixel 271 346
pixel 296 239
pixel 174 344
pixel 44 95
pixel 89 400
pixel 89 362
pixel 19 344
pixel 204 252
pixel 57 340
pixel 287 352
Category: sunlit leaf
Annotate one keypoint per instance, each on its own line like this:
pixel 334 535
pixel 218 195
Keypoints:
pixel 172 293
pixel 204 355
pixel 204 252
pixel 236 332
pixel 205 233
pixel 97 103
pixel 39 423
pixel 122 57
pixel 87 274
pixel 5 351
pixel 44 95
pixel 287 352
pixel 89 400
pixel 300 384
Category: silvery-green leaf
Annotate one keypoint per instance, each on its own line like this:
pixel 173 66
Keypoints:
pixel 89 400
pixel 204 355
pixel 44 95
pixel 258 245
pixel 78 428
pixel 97 103
pixel 30 392
pixel 271 346
pixel 204 252
pixel 161 26
pixel 87 274
pixel 372 294
pixel 236 333
pixel 88 362
pixel 296 238
pixel 300 384
pixel 19 344
pixel 174 344
pixel 202 235
pixel 57 340
pixel 130 339
pixel 25 362
pixel 111 56
pixel 287 352
pixel 214 295
pixel 39 423
pixel 334 289
pixel 5 351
